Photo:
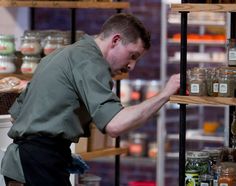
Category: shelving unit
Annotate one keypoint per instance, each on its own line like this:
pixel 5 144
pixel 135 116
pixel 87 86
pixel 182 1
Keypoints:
pixel 197 46
pixel 184 9
pixel 74 5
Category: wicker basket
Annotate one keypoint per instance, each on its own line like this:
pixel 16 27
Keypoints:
pixel 6 100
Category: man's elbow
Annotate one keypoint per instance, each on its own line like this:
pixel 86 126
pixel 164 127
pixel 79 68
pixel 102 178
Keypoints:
pixel 112 131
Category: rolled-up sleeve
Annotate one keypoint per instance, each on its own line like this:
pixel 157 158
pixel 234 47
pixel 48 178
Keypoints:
pixel 94 86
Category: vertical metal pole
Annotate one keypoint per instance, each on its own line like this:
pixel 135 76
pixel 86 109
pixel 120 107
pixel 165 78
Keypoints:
pixel 117 145
pixel 73 25
pixel 161 118
pixel 183 67
pixel 232 35
pixel 32 18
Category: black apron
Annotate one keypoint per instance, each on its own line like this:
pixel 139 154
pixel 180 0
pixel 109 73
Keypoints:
pixel 45 161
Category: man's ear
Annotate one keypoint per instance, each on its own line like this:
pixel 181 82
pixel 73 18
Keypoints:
pixel 116 39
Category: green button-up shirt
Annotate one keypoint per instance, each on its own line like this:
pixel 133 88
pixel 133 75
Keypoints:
pixel 71 88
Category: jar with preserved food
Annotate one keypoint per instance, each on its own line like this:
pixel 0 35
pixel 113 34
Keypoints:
pixel 29 64
pixel 30 45
pixel 227 176
pixel 197 82
pixel 7 44
pixel 198 160
pixel 227 81
pixel 52 43
pixel 231 52
pixel 7 64
pixel 212 82
pixel 137 144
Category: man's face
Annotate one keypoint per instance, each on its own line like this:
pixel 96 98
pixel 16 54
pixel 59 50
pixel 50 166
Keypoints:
pixel 123 58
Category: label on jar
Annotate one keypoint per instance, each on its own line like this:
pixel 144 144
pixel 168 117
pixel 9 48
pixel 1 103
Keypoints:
pixel 204 184
pixel 191 178
pixel 215 182
pixel 136 149
pixel 195 88
pixel 224 184
pixel 215 87
pixel 223 88
pixel 232 55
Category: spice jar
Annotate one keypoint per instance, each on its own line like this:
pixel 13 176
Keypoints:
pixel 29 64
pixel 231 52
pixel 137 144
pixel 7 44
pixel 7 64
pixel 197 82
pixel 30 45
pixel 227 81
pixel 227 176
pixel 52 43
pixel 212 82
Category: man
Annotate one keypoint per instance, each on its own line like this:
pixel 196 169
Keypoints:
pixel 70 89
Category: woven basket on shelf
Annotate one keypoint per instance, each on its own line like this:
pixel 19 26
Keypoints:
pixel 6 100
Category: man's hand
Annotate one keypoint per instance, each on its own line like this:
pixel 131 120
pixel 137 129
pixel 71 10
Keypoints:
pixel 172 85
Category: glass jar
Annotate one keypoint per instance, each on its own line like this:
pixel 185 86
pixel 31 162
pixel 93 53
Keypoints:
pixel 7 64
pixel 89 180
pixel 227 176
pixel 7 44
pixel 231 52
pixel 30 45
pixel 198 160
pixel 52 43
pixel 213 82
pixel 197 82
pixel 29 64
pixel 137 144
pixel 227 81
pixel 206 180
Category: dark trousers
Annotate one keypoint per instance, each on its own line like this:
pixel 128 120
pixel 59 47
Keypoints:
pixel 45 161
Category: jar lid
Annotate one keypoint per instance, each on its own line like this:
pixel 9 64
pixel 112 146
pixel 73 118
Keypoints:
pixel 4 57
pixel 30 58
pixel 30 37
pixel 138 135
pixel 9 37
pixel 55 38
pixel 197 154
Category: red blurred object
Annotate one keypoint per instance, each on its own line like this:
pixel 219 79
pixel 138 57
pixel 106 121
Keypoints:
pixel 142 183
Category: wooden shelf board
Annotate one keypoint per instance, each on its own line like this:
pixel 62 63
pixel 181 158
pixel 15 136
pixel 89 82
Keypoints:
pixel 190 7
pixel 103 152
pixel 20 76
pixel 121 76
pixel 29 76
pixel 202 100
pixel 64 4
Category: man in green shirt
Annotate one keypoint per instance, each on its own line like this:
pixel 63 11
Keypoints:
pixel 71 88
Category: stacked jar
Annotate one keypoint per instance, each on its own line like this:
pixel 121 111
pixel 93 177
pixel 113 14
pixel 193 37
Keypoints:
pixel 7 57
pixel 31 49
pixel 53 42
